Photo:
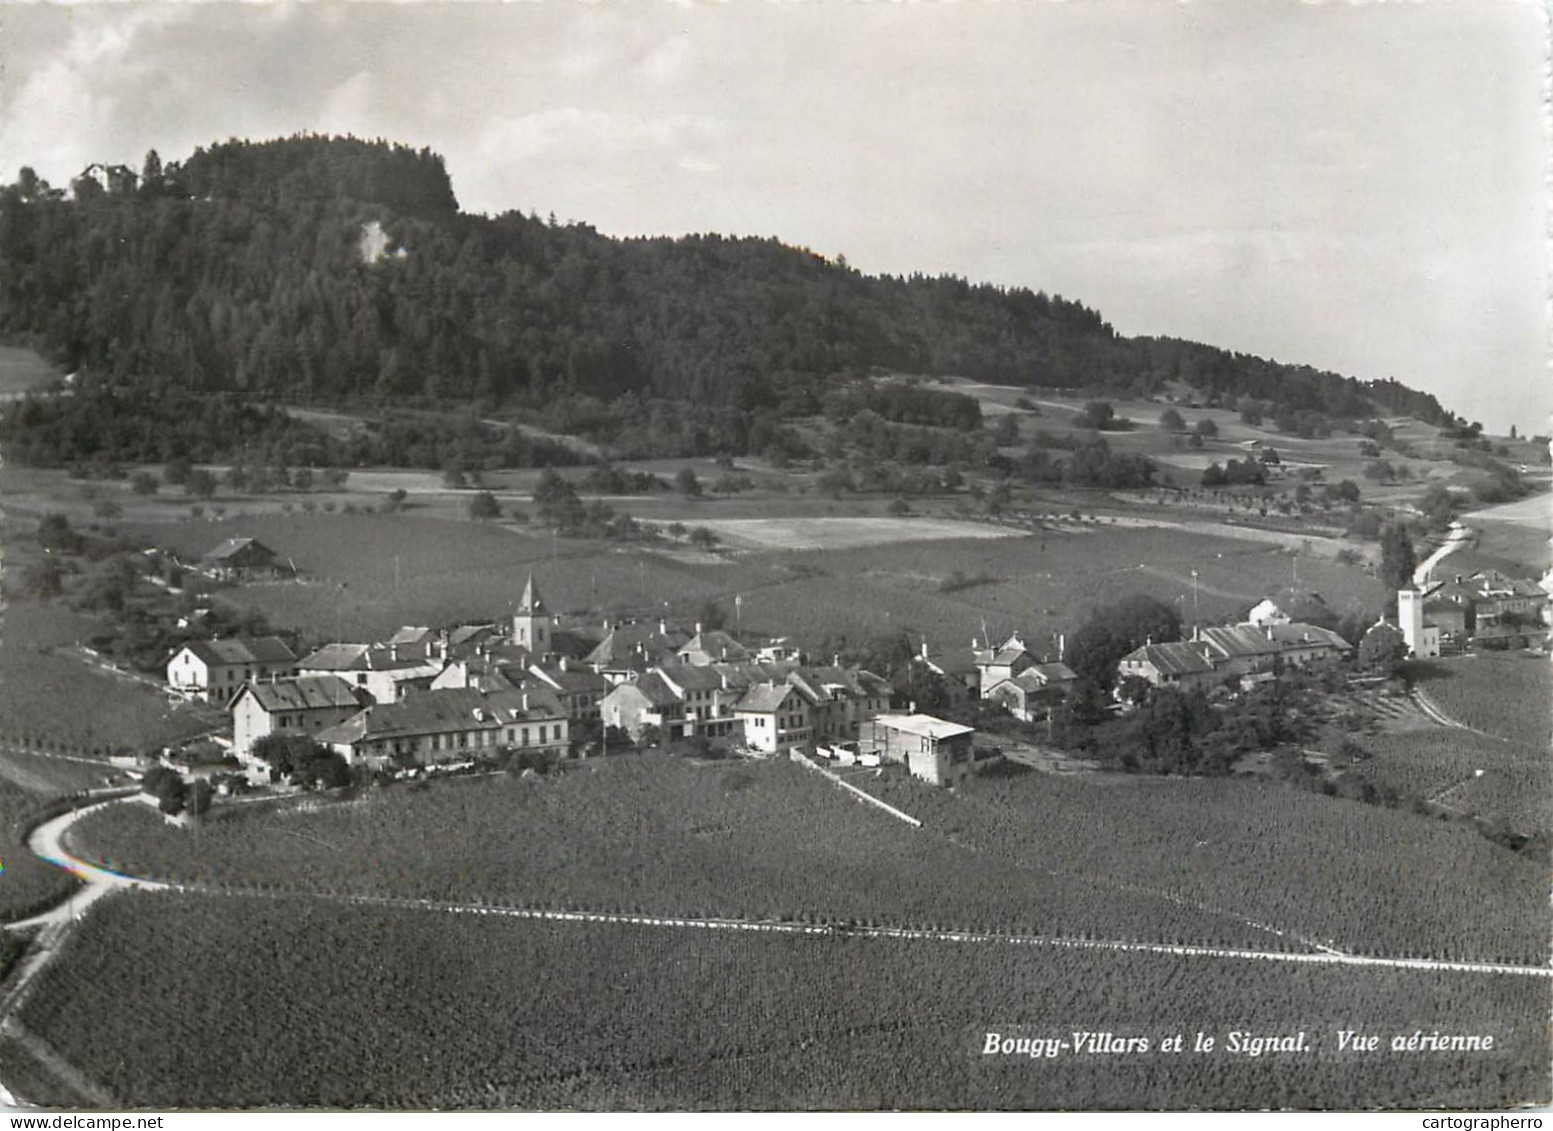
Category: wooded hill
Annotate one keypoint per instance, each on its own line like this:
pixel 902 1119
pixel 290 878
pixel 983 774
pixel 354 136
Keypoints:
pixel 244 270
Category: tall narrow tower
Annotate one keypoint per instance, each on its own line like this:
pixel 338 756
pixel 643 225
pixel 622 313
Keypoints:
pixel 532 623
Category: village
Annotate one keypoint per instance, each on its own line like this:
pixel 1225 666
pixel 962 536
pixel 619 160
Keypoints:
pixel 541 688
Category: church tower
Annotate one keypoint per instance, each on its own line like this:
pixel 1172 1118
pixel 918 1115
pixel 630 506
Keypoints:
pixel 532 623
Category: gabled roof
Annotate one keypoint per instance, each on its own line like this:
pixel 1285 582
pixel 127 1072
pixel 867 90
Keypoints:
pixel 441 712
pixel 627 640
pixel 656 690
pixel 690 677
pixel 764 698
pixel 242 650
pixel 304 693
pixel 570 680
pixel 1009 654
pixel 1298 635
pixel 748 674
pixel 234 546
pixel 716 644
pixel 1050 673
pixel 466 633
pixel 412 634
pixel 1234 640
pixel 953 661
pixel 1178 658
pixel 336 658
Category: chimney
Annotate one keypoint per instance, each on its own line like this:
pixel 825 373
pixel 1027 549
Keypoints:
pixel 663 627
pixel 698 628
pixel 393 652
pixel 1062 646
pixel 525 700
pixel 924 647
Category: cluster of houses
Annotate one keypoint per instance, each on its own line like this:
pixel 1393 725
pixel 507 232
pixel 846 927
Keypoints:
pixel 1251 651
pixel 428 696
pixel 437 696
pixel 1483 608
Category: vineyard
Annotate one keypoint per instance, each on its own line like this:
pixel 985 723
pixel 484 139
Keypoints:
pixel 1443 764
pixel 52 694
pixel 1358 877
pixel 649 834
pixel 27 884
pixel 1507 695
pixel 1227 862
pixel 430 1011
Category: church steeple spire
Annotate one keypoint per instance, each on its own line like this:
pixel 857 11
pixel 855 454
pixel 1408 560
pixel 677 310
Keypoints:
pixel 532 602
pixel 532 623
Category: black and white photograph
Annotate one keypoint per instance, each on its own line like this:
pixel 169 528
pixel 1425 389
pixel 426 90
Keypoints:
pixel 775 557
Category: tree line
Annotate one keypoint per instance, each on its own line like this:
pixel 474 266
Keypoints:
pixel 244 270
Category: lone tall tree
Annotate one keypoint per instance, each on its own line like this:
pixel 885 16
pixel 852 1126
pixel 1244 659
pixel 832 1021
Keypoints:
pixel 1397 559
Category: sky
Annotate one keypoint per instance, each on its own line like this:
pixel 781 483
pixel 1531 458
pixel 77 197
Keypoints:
pixel 1360 187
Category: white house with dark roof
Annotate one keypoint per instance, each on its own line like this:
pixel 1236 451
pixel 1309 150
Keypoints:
pixel 216 669
pixel 994 665
pixel 388 671
pixel 1034 690
pixel 775 717
pixel 303 705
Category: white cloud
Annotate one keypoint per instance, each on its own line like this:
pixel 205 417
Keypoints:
pixel 570 130
pixel 667 61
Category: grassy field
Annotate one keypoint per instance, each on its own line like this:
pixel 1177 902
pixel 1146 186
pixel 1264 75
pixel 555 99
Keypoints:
pixel 1044 584
pixel 427 1011
pixel 22 369
pixel 1176 860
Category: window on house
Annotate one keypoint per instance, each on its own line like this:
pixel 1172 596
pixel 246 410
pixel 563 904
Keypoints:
pixel 525 736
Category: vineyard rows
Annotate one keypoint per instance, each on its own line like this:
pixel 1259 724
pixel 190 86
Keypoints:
pixel 1191 862
pixel 459 1011
pixel 647 835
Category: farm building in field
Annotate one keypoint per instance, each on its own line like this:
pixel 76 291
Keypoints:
pixel 303 706
pixel 215 669
pixel 240 559
pixel 1033 691
pixel 450 726
pixel 932 749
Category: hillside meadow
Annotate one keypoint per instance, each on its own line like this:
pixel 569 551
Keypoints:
pixel 366 574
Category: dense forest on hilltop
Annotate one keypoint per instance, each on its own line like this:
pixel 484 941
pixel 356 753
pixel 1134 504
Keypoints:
pixel 246 271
